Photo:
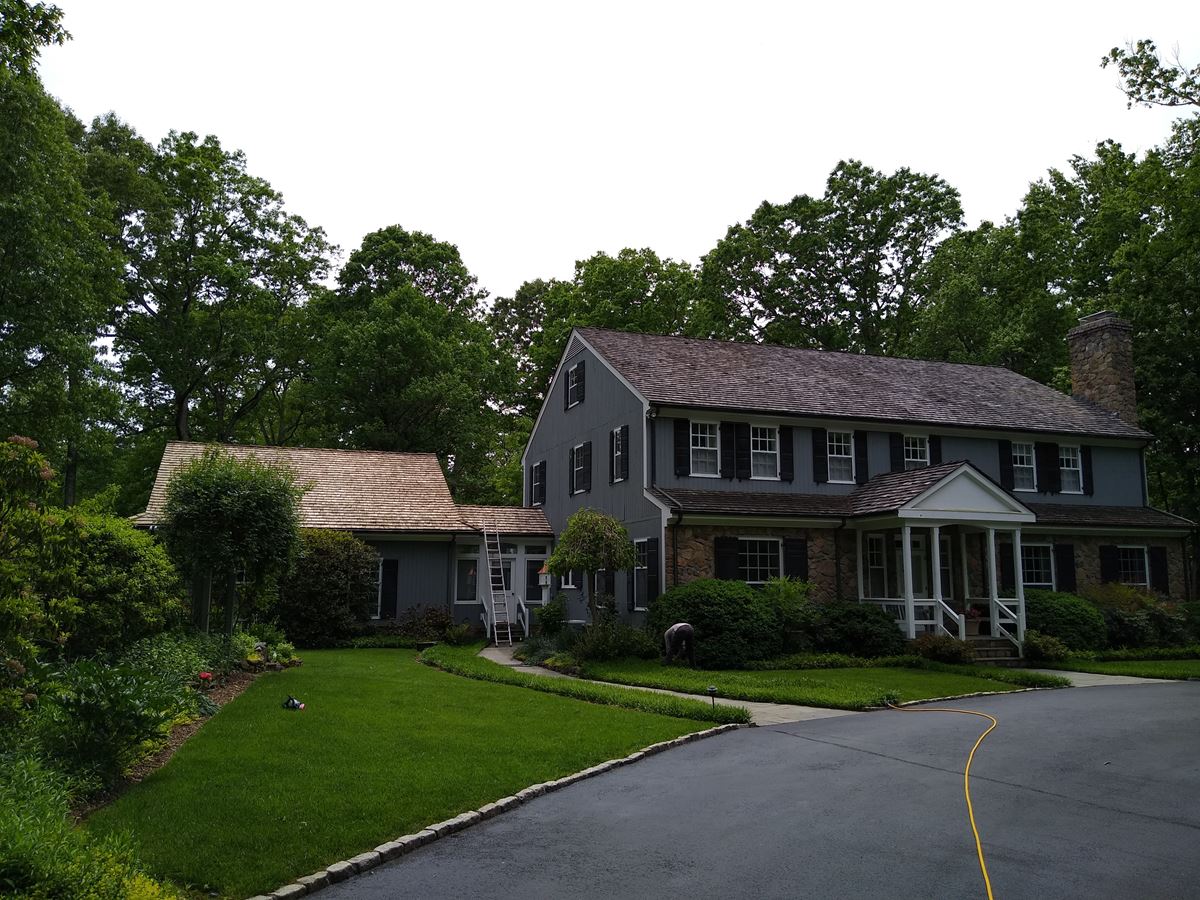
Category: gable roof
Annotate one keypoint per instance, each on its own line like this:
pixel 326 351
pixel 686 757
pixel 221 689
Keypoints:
pixel 891 490
pixel 690 372
pixel 356 490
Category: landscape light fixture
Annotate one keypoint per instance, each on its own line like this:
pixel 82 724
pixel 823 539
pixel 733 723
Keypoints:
pixel 712 692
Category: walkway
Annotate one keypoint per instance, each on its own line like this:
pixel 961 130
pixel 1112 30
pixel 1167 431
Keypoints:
pixel 1090 679
pixel 760 713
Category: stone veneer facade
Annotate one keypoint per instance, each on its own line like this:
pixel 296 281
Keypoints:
pixel 1101 347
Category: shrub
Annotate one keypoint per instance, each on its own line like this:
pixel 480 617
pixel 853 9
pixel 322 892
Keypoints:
pixel 460 634
pixel 429 623
pixel 536 650
pixel 1071 619
pixel 330 590
pixel 734 623
pixel 943 648
pixel 1113 595
pixel 861 629
pixel 613 639
pixel 1153 626
pixel 1040 647
pixel 181 654
pixel 797 614
pixel 552 618
pixel 125 585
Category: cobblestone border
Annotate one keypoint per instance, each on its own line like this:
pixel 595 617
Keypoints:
pixel 347 868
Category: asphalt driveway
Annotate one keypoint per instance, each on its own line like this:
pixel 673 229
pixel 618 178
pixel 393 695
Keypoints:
pixel 1079 793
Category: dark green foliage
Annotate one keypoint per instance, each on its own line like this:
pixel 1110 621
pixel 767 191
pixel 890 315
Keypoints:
pixel 734 623
pixel 592 541
pixel 613 639
pixel 1155 626
pixel 331 589
pixel 1039 647
pixel 552 618
pixel 797 614
pixel 180 655
pixel 1071 619
pixel 943 648
pixel 125 585
pixel 862 629
pixel 459 635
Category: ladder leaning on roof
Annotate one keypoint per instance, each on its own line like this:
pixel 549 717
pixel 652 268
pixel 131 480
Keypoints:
pixel 497 595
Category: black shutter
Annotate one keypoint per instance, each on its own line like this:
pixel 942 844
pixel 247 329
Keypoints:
pixel 541 494
pixel 1006 467
pixel 1064 567
pixel 585 463
pixel 741 451
pixel 1110 563
pixel 1160 579
pixel 795 558
pixel 683 447
pixel 389 585
pixel 624 473
pixel 579 380
pixel 935 449
pixel 629 595
pixel 787 454
pixel 571 471
pixel 1008 583
pixel 567 389
pixel 612 446
pixel 1085 462
pixel 820 454
pixel 861 469
pixel 532 486
pixel 1049 476
pixel 728 430
pixel 896 448
pixel 725 558
pixel 652 587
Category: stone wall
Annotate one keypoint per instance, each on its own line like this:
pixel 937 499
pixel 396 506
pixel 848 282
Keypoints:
pixel 1101 347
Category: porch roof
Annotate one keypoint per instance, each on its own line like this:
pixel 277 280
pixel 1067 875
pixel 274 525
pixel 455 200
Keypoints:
pixel 888 492
pixel 518 520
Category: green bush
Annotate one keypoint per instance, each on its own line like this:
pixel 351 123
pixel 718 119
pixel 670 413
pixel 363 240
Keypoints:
pixel 613 639
pixel 1152 626
pixel 943 648
pixel 330 590
pixel 552 618
pixel 797 614
pixel 734 623
pixel 460 634
pixel 1071 619
pixel 182 654
pixel 1040 647
pixel 860 629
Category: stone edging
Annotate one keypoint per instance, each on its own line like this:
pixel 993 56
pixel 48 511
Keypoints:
pixel 346 868
pixel 1020 690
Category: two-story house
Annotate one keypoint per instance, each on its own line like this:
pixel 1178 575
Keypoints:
pixel 940 491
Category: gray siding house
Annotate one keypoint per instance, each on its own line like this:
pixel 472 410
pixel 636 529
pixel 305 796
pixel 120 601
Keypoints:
pixel 939 491
pixel 430 548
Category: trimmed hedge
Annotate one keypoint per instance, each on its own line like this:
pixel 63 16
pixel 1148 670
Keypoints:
pixel 330 590
pixel 1071 619
pixel 734 623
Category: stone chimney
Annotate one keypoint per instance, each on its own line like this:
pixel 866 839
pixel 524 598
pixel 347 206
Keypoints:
pixel 1101 347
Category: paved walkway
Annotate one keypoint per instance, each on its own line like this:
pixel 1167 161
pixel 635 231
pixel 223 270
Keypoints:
pixel 1089 679
pixel 760 713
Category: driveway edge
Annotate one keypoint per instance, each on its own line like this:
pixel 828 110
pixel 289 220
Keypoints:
pixel 401 846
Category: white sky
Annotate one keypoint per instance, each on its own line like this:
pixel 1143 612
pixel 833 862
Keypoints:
pixel 535 134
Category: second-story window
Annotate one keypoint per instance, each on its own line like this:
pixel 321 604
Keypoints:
pixel 706 447
pixel 618 455
pixel 575 385
pixel 916 451
pixel 1024 470
pixel 764 451
pixel 841 456
pixel 1071 472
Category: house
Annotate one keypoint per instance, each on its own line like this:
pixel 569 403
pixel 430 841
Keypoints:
pixel 939 491
pixel 431 549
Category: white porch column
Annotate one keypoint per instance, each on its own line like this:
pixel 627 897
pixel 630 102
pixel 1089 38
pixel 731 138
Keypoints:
pixel 906 565
pixel 935 545
pixel 991 573
pixel 862 591
pixel 966 574
pixel 1020 583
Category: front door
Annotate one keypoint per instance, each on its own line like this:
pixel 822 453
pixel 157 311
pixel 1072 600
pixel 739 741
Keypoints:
pixel 920 566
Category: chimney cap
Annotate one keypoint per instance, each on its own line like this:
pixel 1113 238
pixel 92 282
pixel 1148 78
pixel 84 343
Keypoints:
pixel 1106 318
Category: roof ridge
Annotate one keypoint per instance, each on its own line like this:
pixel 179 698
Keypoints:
pixel 289 448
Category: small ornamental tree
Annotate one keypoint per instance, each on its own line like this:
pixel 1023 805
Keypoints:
pixel 330 590
pixel 592 541
pixel 225 516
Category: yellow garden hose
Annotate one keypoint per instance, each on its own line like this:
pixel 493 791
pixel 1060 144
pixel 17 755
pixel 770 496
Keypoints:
pixel 987 882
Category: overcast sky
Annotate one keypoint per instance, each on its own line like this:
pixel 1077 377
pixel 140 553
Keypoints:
pixel 535 134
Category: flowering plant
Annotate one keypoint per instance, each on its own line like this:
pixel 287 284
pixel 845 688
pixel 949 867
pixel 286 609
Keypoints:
pixel 205 679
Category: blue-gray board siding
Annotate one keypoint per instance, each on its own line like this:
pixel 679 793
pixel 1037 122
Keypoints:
pixel 423 572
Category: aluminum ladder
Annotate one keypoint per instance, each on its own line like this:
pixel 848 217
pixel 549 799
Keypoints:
pixel 501 625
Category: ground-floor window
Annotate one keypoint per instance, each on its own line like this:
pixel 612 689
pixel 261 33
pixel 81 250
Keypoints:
pixel 466 574
pixel 640 579
pixel 375 613
pixel 1134 569
pixel 758 559
pixel 877 582
pixel 1037 566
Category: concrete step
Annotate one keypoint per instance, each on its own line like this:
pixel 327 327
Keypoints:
pixel 1008 662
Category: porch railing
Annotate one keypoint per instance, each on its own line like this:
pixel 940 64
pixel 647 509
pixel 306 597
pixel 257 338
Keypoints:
pixel 928 614
pixel 1004 618
pixel 525 611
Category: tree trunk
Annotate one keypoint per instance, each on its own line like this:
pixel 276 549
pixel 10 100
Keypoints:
pixel 181 418
pixel 70 473
pixel 231 601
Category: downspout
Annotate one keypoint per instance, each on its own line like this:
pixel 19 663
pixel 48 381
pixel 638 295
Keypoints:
pixel 675 549
pixel 837 562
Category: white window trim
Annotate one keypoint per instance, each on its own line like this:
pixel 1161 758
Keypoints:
pixel 571 383
pixel 882 539
pixel 853 470
pixel 753 477
pixel 636 568
pixel 924 463
pixel 1040 585
pixel 575 468
pixel 1078 467
pixel 478 548
pixel 692 448
pixel 378 614
pixel 1032 467
pixel 1145 564
pixel 568 581
pixel 619 452
pixel 764 538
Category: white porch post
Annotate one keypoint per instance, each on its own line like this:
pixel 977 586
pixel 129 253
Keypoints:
pixel 1020 584
pixel 935 545
pixel 962 556
pixel 862 591
pixel 991 573
pixel 906 564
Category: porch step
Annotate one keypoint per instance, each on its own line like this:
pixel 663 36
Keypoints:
pixel 1008 662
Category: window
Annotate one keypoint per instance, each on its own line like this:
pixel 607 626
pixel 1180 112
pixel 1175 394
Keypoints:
pixel 537 488
pixel 758 560
pixel 706 447
pixel 618 455
pixel 640 573
pixel 579 469
pixel 764 452
pixel 466 574
pixel 568 581
pixel 575 385
pixel 378 610
pixel 1134 569
pixel 1024 471
pixel 1037 566
pixel 1070 469
pixel 916 451
pixel 841 456
pixel 876 566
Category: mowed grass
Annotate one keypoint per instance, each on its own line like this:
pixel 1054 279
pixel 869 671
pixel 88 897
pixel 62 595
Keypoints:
pixel 1178 669
pixel 847 688
pixel 261 795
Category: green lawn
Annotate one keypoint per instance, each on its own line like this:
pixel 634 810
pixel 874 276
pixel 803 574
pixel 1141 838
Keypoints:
pixel 385 746
pixel 848 688
pixel 1145 668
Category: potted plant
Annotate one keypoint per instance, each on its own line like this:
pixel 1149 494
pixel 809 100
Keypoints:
pixel 975 619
